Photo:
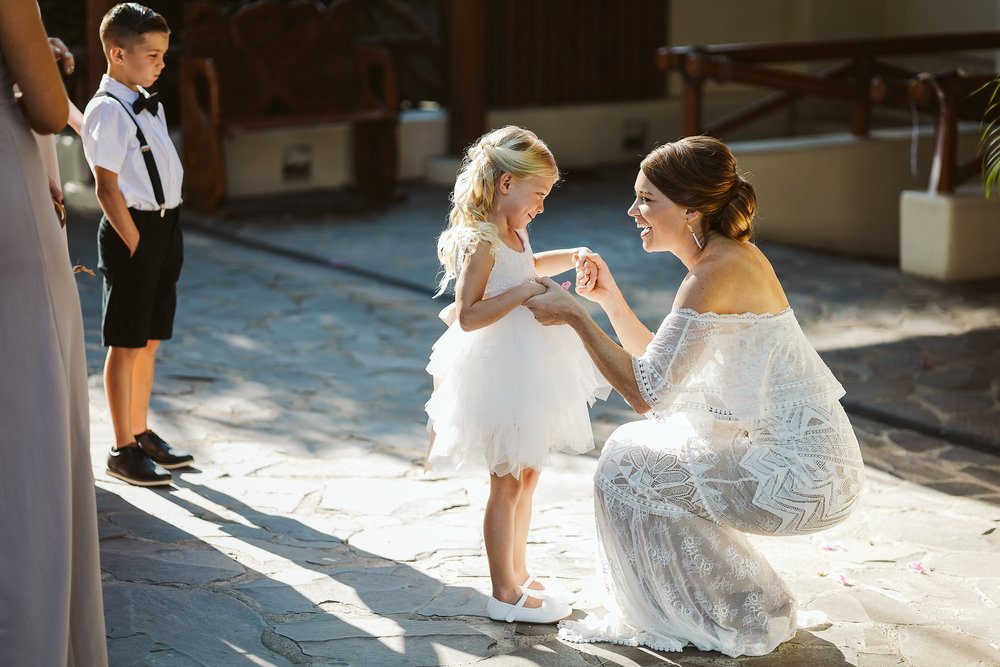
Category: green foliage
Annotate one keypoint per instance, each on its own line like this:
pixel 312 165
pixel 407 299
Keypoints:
pixel 989 142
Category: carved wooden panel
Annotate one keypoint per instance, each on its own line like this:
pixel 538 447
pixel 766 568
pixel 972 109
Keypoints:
pixel 292 59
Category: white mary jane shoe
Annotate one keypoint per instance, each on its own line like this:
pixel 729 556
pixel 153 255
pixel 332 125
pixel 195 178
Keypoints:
pixel 554 590
pixel 550 611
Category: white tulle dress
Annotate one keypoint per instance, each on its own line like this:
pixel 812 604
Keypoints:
pixel 746 435
pixel 510 394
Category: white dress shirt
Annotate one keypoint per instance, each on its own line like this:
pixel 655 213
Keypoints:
pixel 110 142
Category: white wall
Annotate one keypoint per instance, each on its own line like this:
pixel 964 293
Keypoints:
pixel 837 192
pixel 254 159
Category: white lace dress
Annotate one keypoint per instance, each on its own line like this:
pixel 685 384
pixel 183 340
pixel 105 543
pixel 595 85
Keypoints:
pixel 510 394
pixel 746 435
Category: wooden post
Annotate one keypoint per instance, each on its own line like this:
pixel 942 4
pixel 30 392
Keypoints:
pixel 861 119
pixel 691 107
pixel 96 65
pixel 946 146
pixel 861 111
pixel 466 58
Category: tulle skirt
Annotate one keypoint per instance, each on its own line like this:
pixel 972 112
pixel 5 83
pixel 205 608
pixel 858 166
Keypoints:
pixel 510 394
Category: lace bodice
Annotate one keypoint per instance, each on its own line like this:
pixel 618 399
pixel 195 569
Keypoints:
pixel 510 268
pixel 732 367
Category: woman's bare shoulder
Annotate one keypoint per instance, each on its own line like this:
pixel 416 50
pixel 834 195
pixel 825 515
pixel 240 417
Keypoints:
pixel 736 278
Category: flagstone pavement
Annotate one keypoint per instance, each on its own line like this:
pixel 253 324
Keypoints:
pixel 309 533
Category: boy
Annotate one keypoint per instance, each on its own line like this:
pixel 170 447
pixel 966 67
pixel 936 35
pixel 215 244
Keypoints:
pixel 140 249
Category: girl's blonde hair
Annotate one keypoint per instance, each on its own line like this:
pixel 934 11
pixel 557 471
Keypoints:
pixel 510 149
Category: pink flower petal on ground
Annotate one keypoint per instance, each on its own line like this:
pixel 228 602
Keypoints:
pixel 566 285
pixel 827 546
pixel 841 579
pixel 917 567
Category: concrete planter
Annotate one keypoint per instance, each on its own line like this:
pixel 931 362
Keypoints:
pixel 949 237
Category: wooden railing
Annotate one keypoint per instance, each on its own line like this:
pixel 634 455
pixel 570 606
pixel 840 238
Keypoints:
pixel 862 78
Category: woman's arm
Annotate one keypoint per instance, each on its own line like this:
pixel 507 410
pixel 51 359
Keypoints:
pixel 595 282
pixel 27 52
pixel 630 330
pixel 64 56
pixel 614 363
pixel 75 118
pixel 475 312
pixel 554 262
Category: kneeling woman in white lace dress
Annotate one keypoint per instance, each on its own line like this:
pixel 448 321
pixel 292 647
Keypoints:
pixel 746 434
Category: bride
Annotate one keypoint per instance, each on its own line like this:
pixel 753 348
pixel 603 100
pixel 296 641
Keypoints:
pixel 746 433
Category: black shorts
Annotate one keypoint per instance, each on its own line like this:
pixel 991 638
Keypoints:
pixel 140 292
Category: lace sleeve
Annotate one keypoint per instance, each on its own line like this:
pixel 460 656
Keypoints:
pixel 731 366
pixel 667 361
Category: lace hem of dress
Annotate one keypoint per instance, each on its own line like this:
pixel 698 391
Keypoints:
pixel 594 628
pixel 639 639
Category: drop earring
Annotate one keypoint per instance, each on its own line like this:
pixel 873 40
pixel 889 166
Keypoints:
pixel 695 237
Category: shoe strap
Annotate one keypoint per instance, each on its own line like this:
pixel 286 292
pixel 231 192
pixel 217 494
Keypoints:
pixel 517 605
pixel 527 582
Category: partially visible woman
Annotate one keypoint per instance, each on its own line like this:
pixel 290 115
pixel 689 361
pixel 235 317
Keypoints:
pixel 51 610
pixel 746 434
pixel 46 142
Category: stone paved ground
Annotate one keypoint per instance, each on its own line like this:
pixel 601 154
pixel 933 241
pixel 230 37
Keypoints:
pixel 310 535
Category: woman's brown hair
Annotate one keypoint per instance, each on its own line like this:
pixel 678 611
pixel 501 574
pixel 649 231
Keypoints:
pixel 699 173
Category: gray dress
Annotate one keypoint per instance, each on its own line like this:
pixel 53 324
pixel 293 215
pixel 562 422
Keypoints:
pixel 51 609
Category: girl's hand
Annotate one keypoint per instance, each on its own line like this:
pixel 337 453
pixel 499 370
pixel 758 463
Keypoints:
pixel 555 305
pixel 535 288
pixel 594 280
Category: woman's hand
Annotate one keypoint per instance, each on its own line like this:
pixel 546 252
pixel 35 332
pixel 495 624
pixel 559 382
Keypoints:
pixel 594 280
pixel 62 54
pixel 57 201
pixel 55 190
pixel 555 305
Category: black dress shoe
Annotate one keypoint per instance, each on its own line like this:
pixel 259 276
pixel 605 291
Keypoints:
pixel 132 465
pixel 157 449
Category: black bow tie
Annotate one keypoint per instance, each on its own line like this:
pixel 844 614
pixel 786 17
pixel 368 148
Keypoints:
pixel 150 104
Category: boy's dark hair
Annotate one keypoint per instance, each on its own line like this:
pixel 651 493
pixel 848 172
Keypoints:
pixel 125 24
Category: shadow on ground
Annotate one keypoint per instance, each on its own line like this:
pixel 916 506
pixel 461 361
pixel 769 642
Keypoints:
pixel 173 598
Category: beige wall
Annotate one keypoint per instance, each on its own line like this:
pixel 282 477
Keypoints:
pixel 916 16
pixel 722 21
pixel 727 21
pixel 837 192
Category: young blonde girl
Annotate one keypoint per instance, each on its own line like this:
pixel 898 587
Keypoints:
pixel 508 391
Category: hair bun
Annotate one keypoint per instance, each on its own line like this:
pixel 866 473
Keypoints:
pixel 699 173
pixel 735 217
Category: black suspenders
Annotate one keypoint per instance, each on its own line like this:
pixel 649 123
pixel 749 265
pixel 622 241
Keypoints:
pixel 147 154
